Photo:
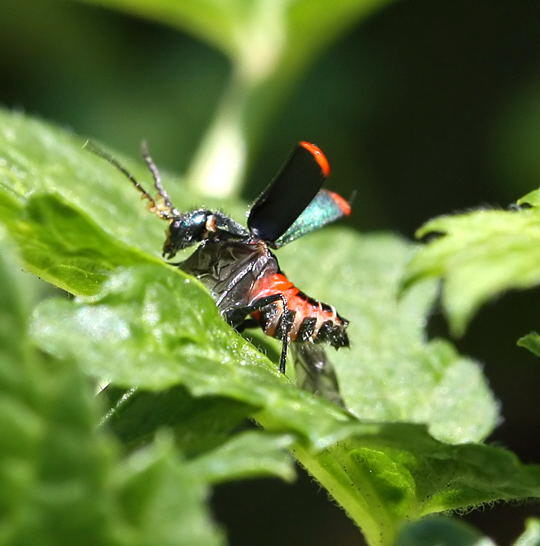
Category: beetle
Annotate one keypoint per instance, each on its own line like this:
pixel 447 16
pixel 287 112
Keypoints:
pixel 237 264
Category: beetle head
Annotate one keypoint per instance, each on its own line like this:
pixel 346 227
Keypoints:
pixel 186 230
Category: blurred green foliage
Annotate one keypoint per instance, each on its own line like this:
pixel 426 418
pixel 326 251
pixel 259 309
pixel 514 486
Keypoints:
pixel 441 531
pixel 423 110
pixel 63 481
pixel 531 535
pixel 269 43
pixel 140 324
pixel 480 254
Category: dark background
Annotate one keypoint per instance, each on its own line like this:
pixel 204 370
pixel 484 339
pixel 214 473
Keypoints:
pixel 425 108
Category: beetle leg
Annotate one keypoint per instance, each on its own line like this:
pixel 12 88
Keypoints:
pixel 245 324
pixel 287 322
pixel 235 315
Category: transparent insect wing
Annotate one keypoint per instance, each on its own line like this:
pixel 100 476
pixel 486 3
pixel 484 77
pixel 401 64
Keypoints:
pixel 326 207
pixel 315 372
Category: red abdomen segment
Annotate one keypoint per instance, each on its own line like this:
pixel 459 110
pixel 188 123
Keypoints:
pixel 313 320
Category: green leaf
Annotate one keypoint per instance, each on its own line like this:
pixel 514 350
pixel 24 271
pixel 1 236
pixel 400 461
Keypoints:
pixel 53 468
pixel 247 454
pixel 443 532
pixel 531 535
pixel 270 43
pixel 202 430
pixel 433 373
pixel 62 481
pixel 38 158
pixel 390 474
pixel 482 253
pixel 383 475
pixel 163 500
pixel 73 214
pixel 154 327
pixel 62 245
pixel 392 371
pixel 260 35
pixel 150 326
pixel 532 342
pixel 199 424
pixel 532 199
pixel 163 497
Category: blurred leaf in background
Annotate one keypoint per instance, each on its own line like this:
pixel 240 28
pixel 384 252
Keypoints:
pixel 531 535
pixel 443 532
pixel 480 254
pixel 406 107
pixel 63 481
pixel 269 43
pixel 143 325
pixel 403 377
pixel 516 162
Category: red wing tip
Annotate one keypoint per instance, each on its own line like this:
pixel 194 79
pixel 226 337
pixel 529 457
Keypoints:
pixel 343 204
pixel 318 155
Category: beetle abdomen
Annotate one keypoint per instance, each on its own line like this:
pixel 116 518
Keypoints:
pixel 313 321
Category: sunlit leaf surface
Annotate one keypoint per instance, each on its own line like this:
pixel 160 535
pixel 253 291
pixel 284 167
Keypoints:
pixel 146 326
pixel 479 255
pixel 532 342
pixel 63 481
pixel 58 476
pixel 392 372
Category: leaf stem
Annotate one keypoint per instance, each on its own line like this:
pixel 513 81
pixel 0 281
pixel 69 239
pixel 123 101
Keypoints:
pixel 219 166
pixel 357 498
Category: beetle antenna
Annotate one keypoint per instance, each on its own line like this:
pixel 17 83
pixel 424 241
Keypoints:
pixel 352 197
pixel 96 150
pixel 152 167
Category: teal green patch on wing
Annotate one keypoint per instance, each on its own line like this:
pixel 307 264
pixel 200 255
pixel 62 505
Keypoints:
pixel 326 207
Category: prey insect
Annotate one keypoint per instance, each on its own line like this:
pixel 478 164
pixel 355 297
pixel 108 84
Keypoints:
pixel 238 266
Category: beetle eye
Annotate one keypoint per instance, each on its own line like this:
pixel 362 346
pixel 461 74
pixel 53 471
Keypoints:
pixel 198 219
pixel 184 232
